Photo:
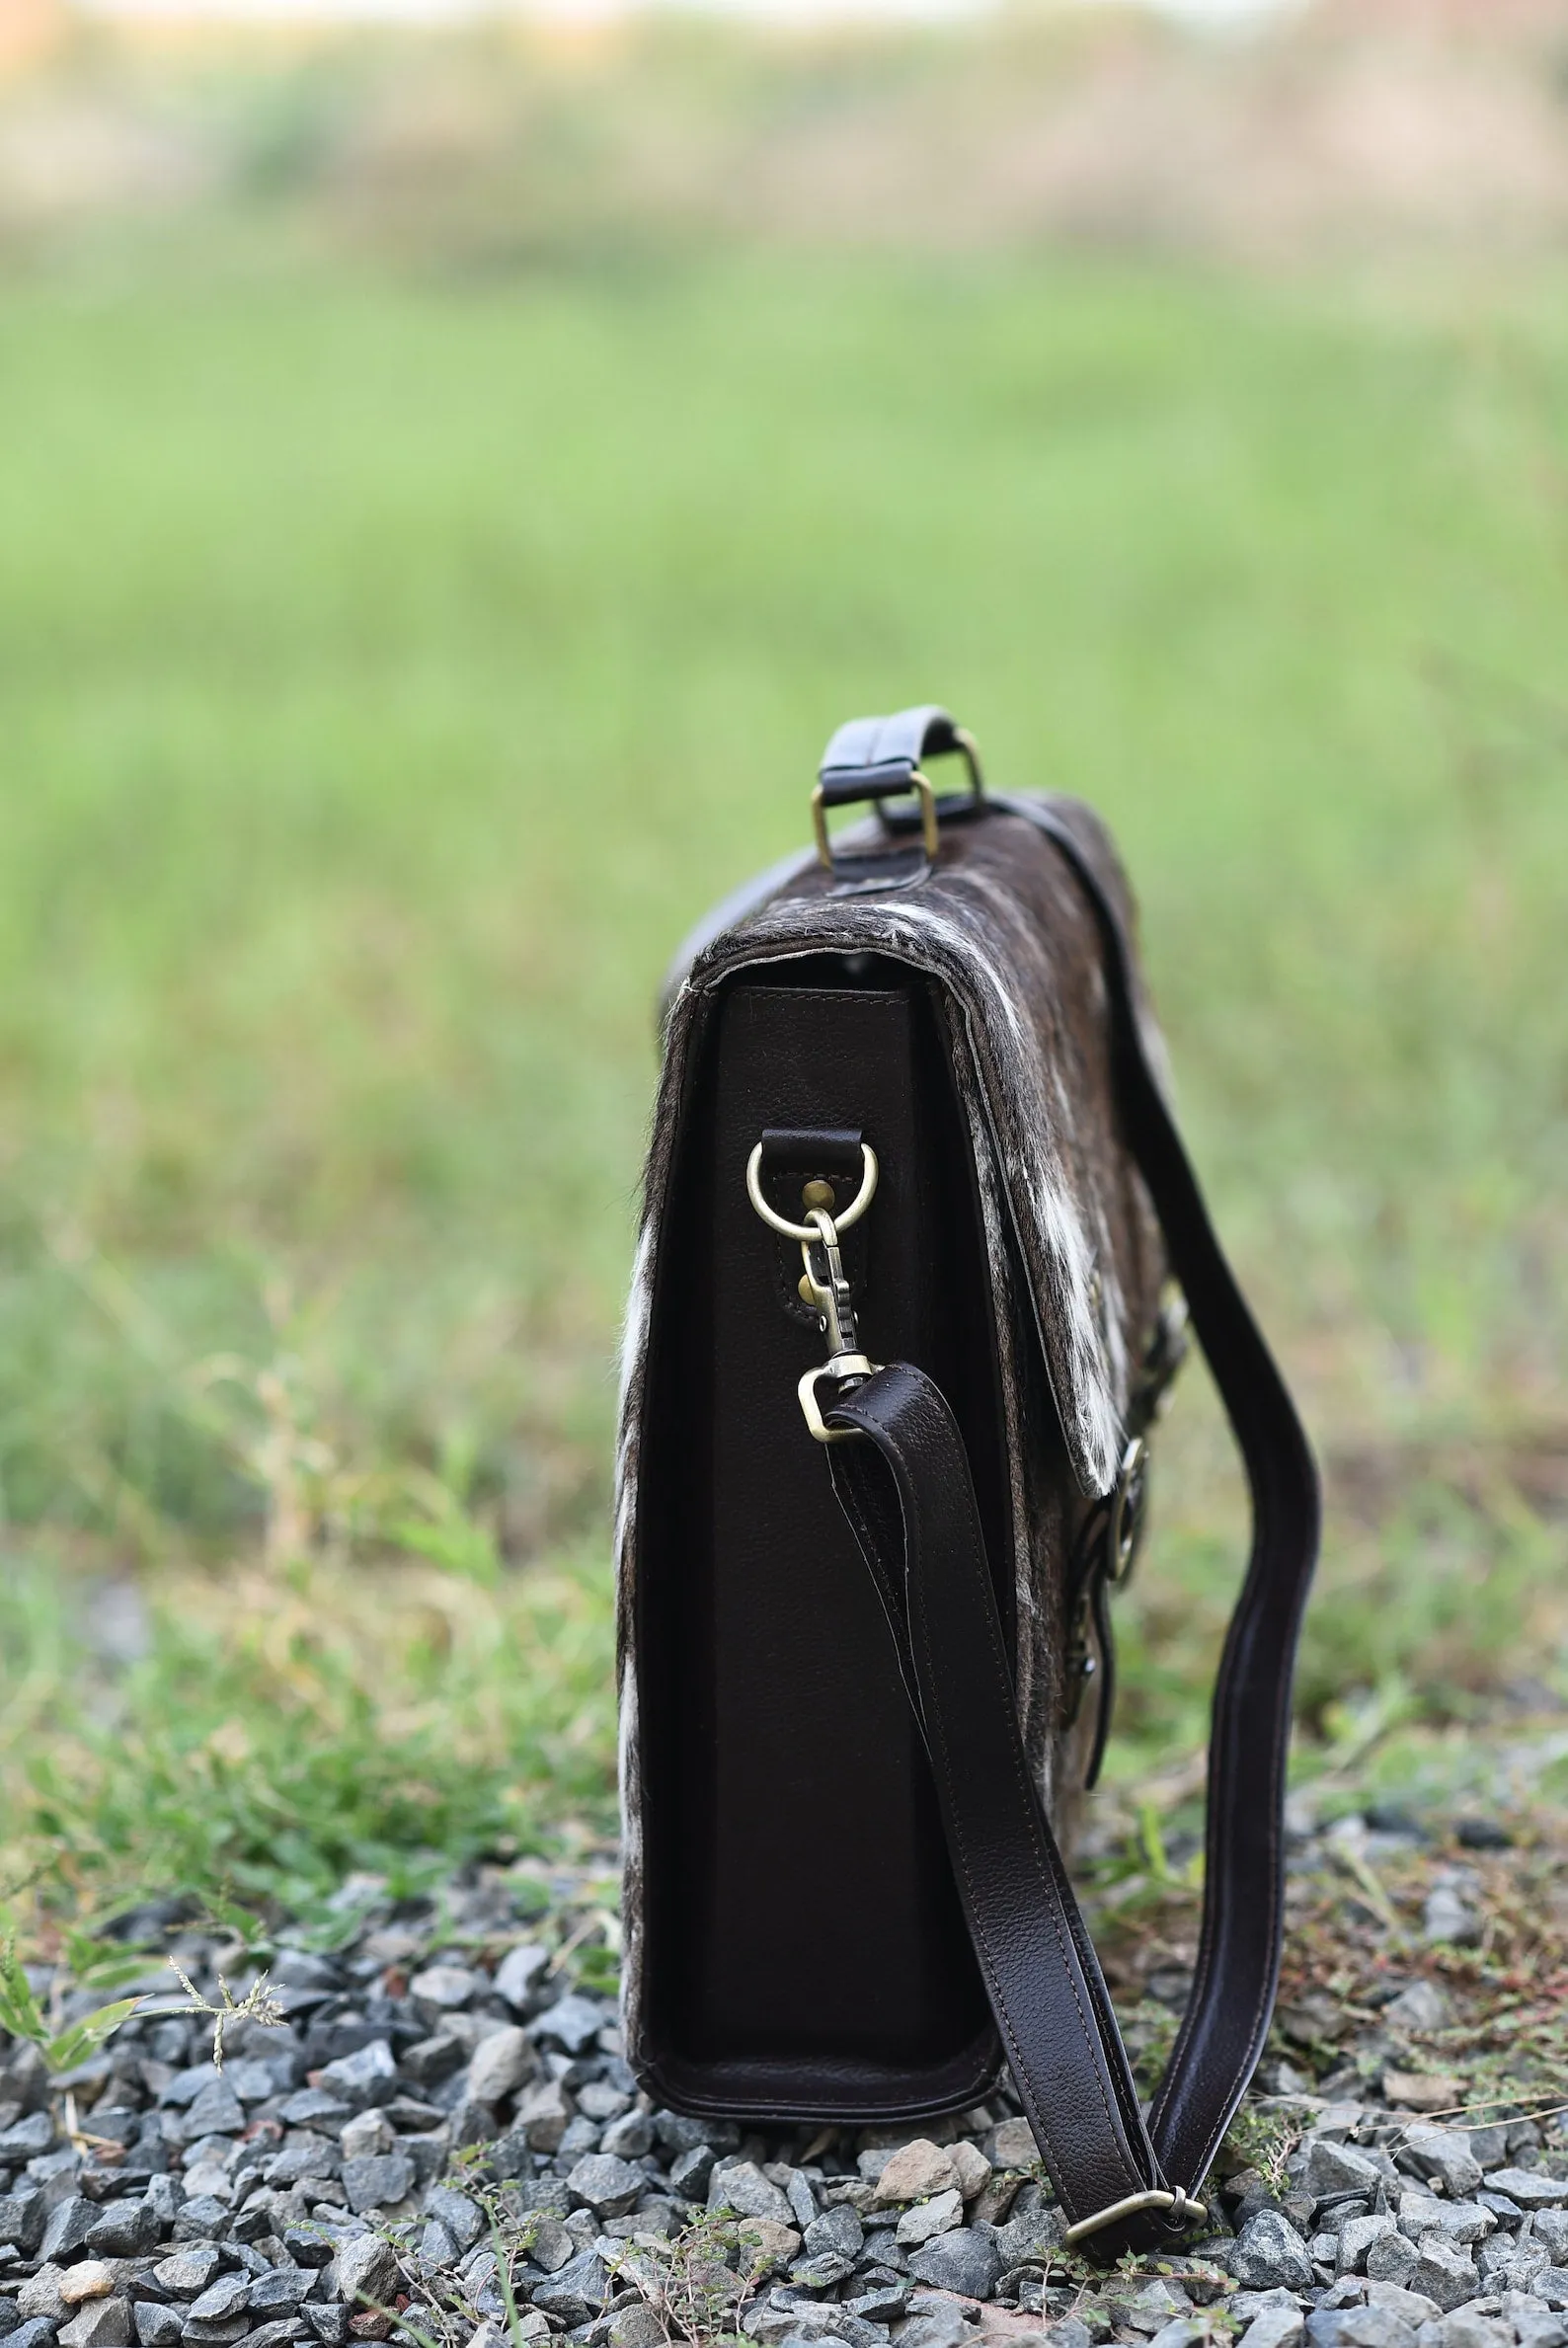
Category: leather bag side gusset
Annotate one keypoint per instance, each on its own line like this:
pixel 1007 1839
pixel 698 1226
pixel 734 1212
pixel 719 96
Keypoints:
pixel 1076 1259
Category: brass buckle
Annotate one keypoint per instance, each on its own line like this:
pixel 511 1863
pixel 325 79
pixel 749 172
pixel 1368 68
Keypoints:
pixel 1125 1528
pixel 850 1370
pixel 1184 2209
pixel 963 745
pixel 919 782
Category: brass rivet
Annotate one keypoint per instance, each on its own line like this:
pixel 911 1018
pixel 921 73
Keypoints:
pixel 803 1288
pixel 818 1194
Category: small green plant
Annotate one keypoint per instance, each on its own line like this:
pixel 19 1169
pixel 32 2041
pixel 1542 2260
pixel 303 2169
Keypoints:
pixel 259 2004
pixel 508 2298
pixel 21 2015
pixel 466 2167
pixel 1150 2038
pixel 1264 2142
pixel 698 2281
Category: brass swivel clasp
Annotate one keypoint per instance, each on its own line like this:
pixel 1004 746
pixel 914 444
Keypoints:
pixel 824 1285
pixel 823 1281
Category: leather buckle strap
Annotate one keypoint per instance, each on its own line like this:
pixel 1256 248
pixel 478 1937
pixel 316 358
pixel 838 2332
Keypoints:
pixel 1103 1558
pixel 1111 1534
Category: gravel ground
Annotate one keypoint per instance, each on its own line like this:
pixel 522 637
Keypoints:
pixel 438 2140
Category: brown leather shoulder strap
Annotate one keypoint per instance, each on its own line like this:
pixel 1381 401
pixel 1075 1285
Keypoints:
pixel 908 1498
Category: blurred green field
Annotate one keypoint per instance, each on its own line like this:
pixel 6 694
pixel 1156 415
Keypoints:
pixel 390 666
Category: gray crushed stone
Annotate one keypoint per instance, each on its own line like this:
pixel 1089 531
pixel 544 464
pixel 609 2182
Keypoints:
pixel 441 2145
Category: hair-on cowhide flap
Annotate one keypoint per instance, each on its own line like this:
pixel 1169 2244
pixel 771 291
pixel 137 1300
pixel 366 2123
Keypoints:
pixel 1004 926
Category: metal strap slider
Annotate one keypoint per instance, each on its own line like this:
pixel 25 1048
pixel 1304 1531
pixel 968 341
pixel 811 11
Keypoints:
pixel 1183 2211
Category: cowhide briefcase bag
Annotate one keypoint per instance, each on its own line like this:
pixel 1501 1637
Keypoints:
pixel 918 1245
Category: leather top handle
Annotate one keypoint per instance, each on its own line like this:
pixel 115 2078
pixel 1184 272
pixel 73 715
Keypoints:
pixel 877 757
pixel 908 1498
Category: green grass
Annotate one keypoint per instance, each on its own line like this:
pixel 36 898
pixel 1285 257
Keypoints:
pixel 389 670
pixel 265 1748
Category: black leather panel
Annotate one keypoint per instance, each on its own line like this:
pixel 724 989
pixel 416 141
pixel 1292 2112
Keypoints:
pixel 805 1952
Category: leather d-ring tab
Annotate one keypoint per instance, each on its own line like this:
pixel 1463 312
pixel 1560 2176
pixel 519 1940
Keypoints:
pixel 791 1161
pixel 832 1152
pixel 790 1158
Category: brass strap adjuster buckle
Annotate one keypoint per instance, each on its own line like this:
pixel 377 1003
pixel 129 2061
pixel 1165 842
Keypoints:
pixel 1183 2209
pixel 894 779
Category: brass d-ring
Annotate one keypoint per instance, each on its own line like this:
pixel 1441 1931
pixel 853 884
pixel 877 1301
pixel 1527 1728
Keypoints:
pixel 1126 1511
pixel 851 1215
